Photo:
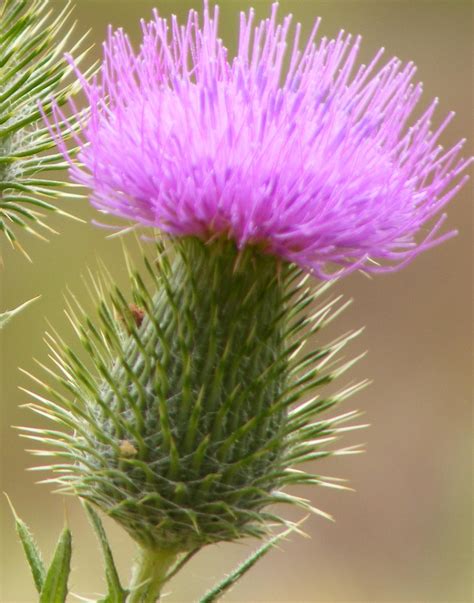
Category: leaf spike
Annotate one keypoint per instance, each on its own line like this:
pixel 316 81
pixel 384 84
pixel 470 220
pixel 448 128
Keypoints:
pixel 225 585
pixel 30 548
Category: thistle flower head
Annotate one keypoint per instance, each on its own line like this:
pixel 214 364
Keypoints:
pixel 297 151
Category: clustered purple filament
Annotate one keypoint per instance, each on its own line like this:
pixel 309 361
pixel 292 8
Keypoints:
pixel 297 151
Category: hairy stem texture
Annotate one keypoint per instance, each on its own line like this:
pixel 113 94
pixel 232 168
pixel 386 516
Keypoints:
pixel 150 574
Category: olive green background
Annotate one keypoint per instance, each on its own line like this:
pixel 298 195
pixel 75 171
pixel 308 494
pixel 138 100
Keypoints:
pixel 405 534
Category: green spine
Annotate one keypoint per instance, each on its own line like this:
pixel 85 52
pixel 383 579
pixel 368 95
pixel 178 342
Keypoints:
pixel 32 74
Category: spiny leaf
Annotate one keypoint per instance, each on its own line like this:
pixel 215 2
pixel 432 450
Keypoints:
pixel 229 581
pixel 33 74
pixel 5 317
pixel 116 593
pixel 31 549
pixel 55 588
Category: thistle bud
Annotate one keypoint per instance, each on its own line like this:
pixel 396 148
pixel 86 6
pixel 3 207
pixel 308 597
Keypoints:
pixel 189 428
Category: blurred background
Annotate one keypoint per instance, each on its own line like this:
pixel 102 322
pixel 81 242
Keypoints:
pixel 405 535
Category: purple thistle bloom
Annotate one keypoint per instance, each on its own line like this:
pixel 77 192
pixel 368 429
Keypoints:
pixel 299 152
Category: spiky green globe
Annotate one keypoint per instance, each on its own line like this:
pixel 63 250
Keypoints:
pixel 197 408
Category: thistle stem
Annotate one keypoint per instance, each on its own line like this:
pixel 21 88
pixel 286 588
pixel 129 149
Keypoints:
pixel 149 574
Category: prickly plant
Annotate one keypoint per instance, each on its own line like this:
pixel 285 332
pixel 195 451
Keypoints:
pixel 197 400
pixel 33 75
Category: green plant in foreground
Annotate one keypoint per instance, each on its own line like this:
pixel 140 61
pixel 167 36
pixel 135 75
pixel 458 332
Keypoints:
pixel 33 72
pixel 52 582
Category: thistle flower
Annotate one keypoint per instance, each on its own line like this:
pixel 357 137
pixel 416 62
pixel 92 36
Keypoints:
pixel 197 398
pixel 300 153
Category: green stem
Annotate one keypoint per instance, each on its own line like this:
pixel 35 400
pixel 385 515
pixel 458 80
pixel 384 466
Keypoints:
pixel 149 575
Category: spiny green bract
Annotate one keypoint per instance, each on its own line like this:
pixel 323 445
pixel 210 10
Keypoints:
pixel 198 406
pixel 32 73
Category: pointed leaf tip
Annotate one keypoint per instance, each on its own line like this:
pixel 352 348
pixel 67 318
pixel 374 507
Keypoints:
pixel 30 548
pixel 55 588
pixel 116 594
pixel 229 581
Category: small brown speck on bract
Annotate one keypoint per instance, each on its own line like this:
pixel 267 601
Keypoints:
pixel 127 449
pixel 137 313
pixel 134 313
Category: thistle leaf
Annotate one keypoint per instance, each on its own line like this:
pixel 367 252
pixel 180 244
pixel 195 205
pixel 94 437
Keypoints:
pixel 55 588
pixel 5 317
pixel 32 552
pixel 116 593
pixel 33 71
pixel 229 581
